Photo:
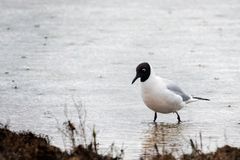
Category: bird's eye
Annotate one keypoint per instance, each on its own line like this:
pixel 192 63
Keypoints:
pixel 144 70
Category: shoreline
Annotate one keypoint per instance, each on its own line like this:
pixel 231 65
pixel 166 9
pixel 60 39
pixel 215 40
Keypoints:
pixel 27 145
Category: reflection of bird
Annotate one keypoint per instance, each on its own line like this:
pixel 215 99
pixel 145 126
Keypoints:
pixel 163 137
pixel 159 94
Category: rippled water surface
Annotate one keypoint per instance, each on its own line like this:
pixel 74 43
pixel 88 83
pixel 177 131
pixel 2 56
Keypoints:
pixel 55 52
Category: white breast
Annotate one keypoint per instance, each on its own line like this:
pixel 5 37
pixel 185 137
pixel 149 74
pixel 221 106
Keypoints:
pixel 158 98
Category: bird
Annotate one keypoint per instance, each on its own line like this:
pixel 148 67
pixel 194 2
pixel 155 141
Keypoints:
pixel 161 95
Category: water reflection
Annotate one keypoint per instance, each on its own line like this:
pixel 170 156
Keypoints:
pixel 167 136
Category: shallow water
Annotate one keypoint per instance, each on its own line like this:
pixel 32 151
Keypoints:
pixel 55 51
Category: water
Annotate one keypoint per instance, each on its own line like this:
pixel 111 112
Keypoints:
pixel 55 51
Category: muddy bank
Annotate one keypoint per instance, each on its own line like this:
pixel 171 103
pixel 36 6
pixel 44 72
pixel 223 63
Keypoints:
pixel 29 146
pixel 224 153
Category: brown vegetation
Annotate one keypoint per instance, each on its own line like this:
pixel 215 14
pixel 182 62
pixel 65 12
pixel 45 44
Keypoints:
pixel 29 146
pixel 224 153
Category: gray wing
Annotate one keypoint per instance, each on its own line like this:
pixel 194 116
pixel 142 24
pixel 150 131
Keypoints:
pixel 177 90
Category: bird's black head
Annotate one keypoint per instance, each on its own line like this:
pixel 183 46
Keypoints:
pixel 143 71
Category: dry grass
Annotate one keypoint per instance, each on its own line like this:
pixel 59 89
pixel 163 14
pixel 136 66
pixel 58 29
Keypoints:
pixel 26 145
pixel 224 153
pixel 29 146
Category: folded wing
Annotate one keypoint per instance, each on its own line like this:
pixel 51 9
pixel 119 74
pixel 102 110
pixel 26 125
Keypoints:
pixel 177 90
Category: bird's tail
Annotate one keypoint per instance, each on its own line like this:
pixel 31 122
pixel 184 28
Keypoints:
pixel 199 98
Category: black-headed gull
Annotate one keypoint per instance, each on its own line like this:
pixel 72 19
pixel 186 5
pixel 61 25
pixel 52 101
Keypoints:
pixel 159 94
